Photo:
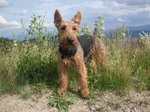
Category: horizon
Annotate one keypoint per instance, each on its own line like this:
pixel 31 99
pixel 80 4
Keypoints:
pixel 114 12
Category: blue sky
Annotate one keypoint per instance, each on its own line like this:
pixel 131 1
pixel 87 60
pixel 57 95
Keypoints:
pixel 115 12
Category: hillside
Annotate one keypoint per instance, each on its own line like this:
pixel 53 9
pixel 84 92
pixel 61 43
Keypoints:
pixel 135 30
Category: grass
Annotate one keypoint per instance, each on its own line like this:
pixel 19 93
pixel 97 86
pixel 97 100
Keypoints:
pixel 141 68
pixel 35 65
pixel 62 102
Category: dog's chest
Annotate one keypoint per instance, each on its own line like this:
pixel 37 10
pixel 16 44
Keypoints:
pixel 69 62
pixel 65 53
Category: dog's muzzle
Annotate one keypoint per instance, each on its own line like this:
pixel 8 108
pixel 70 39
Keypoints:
pixel 70 40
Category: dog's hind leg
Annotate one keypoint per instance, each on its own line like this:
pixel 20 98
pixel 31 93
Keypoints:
pixel 99 53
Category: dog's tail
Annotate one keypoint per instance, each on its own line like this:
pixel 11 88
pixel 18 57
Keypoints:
pixel 96 32
pixel 100 49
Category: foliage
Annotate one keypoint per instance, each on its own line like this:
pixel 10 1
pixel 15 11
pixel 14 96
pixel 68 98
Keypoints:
pixel 145 39
pixel 86 30
pixel 6 44
pixel 37 29
pixel 35 63
pixel 61 102
pixel 99 24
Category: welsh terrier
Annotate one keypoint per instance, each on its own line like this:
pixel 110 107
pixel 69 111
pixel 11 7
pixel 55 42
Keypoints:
pixel 73 49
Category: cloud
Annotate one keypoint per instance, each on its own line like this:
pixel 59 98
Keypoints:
pixel 3 3
pixel 122 20
pixel 49 25
pixel 21 12
pixel 9 24
pixel 117 8
pixel 14 23
pixel 95 5
pixel 114 12
pixel 134 2
pixel 2 20
pixel 147 8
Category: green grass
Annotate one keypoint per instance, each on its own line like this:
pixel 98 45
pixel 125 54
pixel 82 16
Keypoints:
pixel 35 65
pixel 61 102
pixel 117 75
pixel 141 68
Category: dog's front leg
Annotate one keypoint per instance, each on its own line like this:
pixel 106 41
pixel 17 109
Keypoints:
pixel 82 77
pixel 63 77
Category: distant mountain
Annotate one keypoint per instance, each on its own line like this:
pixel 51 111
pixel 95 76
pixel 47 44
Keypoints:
pixel 135 30
pixel 132 31
pixel 143 27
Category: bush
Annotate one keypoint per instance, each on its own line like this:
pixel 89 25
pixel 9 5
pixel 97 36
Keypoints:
pixel 36 63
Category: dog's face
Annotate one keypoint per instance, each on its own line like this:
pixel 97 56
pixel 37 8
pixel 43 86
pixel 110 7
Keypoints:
pixel 67 30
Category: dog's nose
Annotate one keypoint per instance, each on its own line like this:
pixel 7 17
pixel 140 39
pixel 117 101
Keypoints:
pixel 70 40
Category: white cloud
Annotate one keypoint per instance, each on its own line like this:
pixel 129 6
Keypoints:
pixel 3 3
pixel 116 4
pixel 118 9
pixel 114 11
pixel 9 24
pixel 134 2
pixel 14 23
pixel 95 5
pixel 46 24
pixel 21 12
pixel 122 20
pixel 147 9
pixel 2 20
pixel 49 24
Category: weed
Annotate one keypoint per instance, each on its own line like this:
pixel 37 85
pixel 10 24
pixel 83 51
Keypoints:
pixel 115 106
pixel 61 102
pixel 34 63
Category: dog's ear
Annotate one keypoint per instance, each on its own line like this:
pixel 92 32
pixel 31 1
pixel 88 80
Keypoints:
pixel 57 18
pixel 77 18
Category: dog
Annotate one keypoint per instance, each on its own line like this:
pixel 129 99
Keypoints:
pixel 72 50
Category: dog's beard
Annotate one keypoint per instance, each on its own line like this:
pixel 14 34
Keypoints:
pixel 69 45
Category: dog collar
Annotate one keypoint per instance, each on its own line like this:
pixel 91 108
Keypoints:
pixel 65 53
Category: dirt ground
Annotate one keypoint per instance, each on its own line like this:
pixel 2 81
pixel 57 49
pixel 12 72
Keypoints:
pixel 106 102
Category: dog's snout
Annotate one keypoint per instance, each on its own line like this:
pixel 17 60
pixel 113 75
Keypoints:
pixel 70 40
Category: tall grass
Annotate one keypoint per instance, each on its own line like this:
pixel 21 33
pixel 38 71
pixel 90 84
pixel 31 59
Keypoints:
pixel 36 63
pixel 8 65
pixel 140 64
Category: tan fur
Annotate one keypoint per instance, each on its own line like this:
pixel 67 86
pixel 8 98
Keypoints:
pixel 66 30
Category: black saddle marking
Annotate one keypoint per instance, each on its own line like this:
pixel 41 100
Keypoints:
pixel 86 42
pixel 65 53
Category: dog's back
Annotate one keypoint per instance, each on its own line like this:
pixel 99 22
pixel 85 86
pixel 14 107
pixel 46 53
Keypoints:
pixel 93 47
pixel 86 42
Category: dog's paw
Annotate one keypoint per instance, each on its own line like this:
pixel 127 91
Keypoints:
pixel 61 90
pixel 84 92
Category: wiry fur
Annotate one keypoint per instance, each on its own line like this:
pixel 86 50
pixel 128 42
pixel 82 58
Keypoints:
pixel 67 31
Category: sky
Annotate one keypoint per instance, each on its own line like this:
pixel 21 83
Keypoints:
pixel 114 12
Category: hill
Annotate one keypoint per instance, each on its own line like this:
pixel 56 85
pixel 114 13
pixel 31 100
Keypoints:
pixel 135 30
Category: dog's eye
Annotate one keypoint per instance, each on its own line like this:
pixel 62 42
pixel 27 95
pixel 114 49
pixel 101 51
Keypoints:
pixel 63 28
pixel 74 28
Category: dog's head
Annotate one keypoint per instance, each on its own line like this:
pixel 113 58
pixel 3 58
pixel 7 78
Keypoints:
pixel 67 30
